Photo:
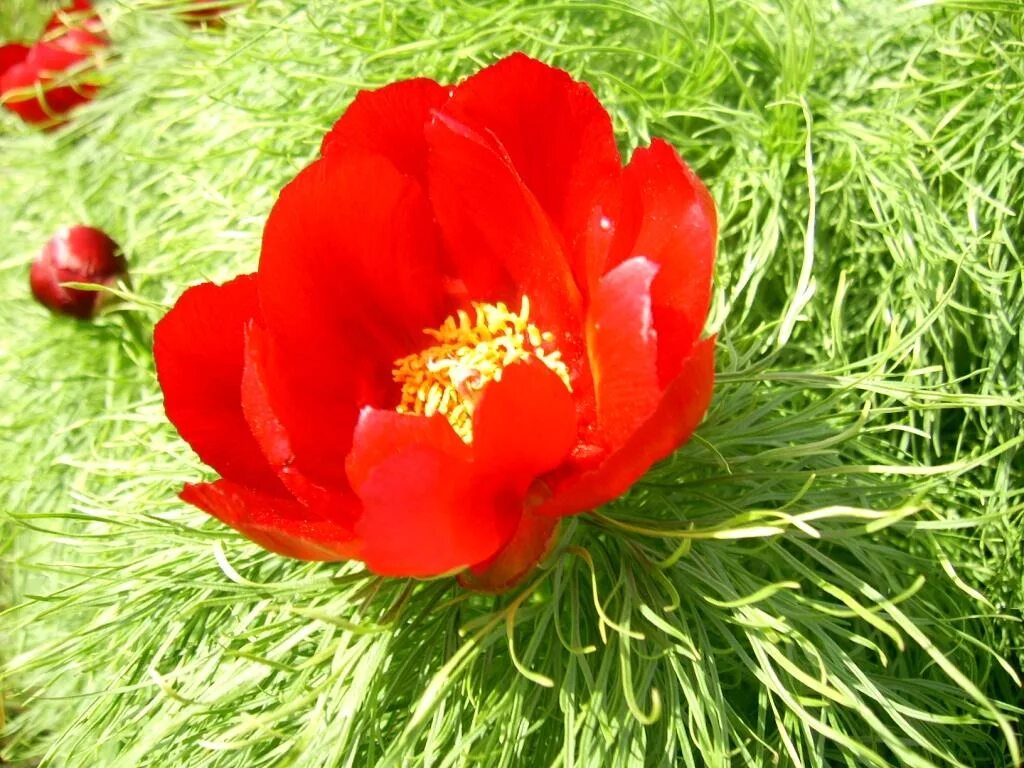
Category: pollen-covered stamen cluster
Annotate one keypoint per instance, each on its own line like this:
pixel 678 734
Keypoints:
pixel 471 351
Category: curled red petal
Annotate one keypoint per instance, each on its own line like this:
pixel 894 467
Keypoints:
pixel 390 121
pixel 557 136
pixel 198 347
pixel 668 217
pixel 623 346
pixel 681 409
pixel 279 524
pixel 260 412
pixel 425 511
pixel 349 278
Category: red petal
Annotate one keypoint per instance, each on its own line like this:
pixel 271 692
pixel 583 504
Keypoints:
pixel 198 347
pixel 524 426
pixel 680 411
pixel 390 121
pixel 533 539
pixel 274 440
pixel 558 138
pixel 669 218
pixel 281 525
pixel 65 52
pixel 21 77
pixel 349 278
pixel 381 434
pixel 623 347
pixel 61 100
pixel 266 427
pixel 11 54
pixel 424 511
pixel 499 238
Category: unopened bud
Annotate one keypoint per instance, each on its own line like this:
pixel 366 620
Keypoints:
pixel 77 254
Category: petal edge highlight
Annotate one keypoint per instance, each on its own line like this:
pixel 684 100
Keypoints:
pixel 198 347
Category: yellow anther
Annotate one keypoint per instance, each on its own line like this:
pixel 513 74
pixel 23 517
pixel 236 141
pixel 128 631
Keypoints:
pixel 471 351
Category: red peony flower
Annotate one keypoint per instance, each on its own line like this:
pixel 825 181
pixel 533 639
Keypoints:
pixel 469 320
pixel 76 254
pixel 42 82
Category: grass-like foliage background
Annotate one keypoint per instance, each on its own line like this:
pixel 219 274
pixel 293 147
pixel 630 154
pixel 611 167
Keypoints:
pixel 830 573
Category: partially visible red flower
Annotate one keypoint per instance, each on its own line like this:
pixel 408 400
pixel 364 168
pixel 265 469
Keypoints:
pixel 77 254
pixel 42 82
pixel 469 320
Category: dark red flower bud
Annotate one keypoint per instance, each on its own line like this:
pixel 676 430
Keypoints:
pixel 77 254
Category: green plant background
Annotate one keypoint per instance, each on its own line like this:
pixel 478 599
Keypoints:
pixel 830 573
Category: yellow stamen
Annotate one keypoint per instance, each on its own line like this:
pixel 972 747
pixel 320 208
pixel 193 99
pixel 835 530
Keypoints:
pixel 471 351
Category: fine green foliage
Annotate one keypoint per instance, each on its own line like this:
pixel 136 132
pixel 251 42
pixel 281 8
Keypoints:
pixel 830 573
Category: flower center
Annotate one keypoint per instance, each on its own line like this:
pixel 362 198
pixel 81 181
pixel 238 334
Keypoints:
pixel 471 351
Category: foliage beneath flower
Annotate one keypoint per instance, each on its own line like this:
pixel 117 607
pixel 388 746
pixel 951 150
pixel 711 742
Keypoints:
pixel 830 573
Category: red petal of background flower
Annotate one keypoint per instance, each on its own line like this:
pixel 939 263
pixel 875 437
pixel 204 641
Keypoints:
pixel 681 409
pixel 281 525
pixel 669 217
pixel 42 65
pixel 349 278
pixel 11 54
pixel 424 510
pixel 65 52
pixel 390 121
pixel 498 237
pixel 557 135
pixel 623 346
pixel 64 98
pixel 22 77
pixel 198 348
